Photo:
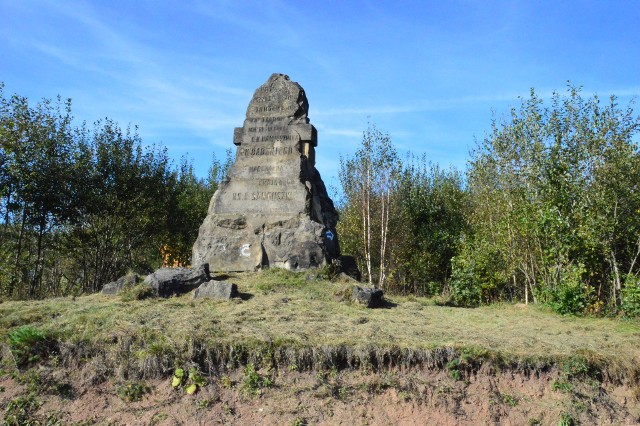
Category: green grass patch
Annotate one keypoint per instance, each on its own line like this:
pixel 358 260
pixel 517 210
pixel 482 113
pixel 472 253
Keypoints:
pixel 21 411
pixel 30 344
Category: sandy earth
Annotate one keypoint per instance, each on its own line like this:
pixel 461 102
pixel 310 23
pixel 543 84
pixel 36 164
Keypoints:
pixel 417 397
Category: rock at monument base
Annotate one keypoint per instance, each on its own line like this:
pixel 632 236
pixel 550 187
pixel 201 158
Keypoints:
pixel 273 209
pixel 216 290
pixel 370 297
pixel 347 278
pixel 349 266
pixel 114 287
pixel 169 281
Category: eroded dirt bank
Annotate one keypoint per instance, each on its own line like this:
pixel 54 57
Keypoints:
pixel 329 397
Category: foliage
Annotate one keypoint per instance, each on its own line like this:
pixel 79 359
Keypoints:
pixel 463 291
pixel 331 271
pixel 562 385
pixel 575 367
pixel 402 220
pixel 453 367
pixel 552 193
pixel 191 381
pixel 81 205
pixel 29 344
pixel 38 381
pixel 571 296
pixel 132 392
pixel 631 297
pixel 21 411
pixel 566 420
pixel 368 180
pixel 253 382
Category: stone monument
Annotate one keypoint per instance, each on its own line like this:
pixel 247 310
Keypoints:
pixel 272 210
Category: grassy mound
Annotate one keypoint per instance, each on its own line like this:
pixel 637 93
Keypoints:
pixel 288 320
pixel 296 340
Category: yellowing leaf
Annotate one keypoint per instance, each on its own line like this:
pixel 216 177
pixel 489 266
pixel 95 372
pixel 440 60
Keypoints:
pixel 177 381
pixel 191 389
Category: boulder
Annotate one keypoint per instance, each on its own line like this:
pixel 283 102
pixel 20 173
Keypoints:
pixel 216 290
pixel 368 296
pixel 114 287
pixel 349 266
pixel 170 281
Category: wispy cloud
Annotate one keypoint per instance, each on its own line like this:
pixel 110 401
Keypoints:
pixel 456 102
pixel 342 132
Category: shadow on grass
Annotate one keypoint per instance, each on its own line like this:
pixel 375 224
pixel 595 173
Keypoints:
pixel 220 277
pixel 245 296
pixel 387 304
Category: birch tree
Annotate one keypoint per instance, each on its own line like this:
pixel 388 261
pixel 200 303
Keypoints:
pixel 368 180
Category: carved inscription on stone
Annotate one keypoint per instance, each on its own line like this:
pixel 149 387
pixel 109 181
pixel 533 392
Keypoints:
pixel 273 208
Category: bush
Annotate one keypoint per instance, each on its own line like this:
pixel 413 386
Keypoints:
pixel 29 345
pixel 571 296
pixel 253 382
pixel 631 297
pixel 463 291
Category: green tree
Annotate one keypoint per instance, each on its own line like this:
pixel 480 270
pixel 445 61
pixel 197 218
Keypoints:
pixel 80 206
pixel 432 219
pixel 553 191
pixel 368 180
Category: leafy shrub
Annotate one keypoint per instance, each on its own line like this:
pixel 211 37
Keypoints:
pixel 463 290
pixel 631 297
pixel 253 382
pixel 575 367
pixel 510 400
pixel 562 385
pixel 453 367
pixel 132 392
pixel 29 344
pixel 192 380
pixel 571 296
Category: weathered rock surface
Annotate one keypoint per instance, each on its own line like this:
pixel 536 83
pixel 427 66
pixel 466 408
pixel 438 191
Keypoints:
pixel 114 287
pixel 170 281
pixel 273 209
pixel 370 297
pixel 216 290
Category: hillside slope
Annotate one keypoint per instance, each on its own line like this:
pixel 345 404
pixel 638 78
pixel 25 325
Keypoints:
pixel 295 350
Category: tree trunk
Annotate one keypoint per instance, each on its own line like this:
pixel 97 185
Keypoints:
pixel 16 269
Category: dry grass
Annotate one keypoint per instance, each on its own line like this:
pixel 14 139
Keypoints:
pixel 285 319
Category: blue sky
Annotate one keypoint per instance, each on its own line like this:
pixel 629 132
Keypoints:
pixel 429 73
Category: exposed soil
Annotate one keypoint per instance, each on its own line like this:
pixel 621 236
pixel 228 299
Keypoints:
pixel 348 397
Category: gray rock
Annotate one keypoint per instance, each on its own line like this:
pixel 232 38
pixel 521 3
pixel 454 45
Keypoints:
pixel 273 208
pixel 347 278
pixel 170 281
pixel 114 287
pixel 370 297
pixel 349 266
pixel 216 290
